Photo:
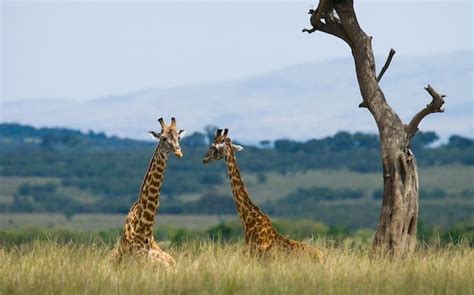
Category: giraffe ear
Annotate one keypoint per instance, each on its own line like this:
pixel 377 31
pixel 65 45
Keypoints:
pixel 237 148
pixel 155 135
pixel 181 133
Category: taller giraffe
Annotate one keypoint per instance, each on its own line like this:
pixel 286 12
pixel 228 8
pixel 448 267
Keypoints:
pixel 260 236
pixel 137 237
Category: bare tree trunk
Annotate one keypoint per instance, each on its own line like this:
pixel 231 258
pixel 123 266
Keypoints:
pixel 396 232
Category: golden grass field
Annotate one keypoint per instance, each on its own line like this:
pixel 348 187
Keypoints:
pixel 206 267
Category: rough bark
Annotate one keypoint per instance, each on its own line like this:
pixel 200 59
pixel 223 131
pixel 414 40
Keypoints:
pixel 396 232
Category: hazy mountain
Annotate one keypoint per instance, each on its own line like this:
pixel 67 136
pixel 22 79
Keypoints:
pixel 302 101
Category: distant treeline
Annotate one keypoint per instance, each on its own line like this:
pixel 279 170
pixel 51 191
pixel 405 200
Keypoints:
pixel 14 135
pixel 81 159
pixel 357 151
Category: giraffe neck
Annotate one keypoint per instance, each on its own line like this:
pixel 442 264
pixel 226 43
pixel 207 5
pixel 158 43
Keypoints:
pixel 149 199
pixel 248 211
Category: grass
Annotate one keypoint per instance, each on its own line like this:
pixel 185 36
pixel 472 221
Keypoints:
pixel 9 184
pixel 206 267
pixel 451 178
pixel 442 213
pixel 104 221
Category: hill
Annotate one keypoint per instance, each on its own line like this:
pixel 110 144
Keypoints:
pixel 301 102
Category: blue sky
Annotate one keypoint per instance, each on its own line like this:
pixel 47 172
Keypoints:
pixel 86 50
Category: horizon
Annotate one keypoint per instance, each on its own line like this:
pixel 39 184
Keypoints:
pixel 435 143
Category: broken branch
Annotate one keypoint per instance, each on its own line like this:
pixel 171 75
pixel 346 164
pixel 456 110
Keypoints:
pixel 435 106
pixel 387 64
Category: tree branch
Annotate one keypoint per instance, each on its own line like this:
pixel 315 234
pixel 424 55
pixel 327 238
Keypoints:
pixel 387 64
pixel 331 24
pixel 329 28
pixel 433 107
pixel 364 104
pixel 322 9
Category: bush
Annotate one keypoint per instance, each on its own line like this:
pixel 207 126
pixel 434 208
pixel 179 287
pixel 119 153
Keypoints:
pixel 211 203
pixel 323 194
pixel 436 193
pixel 225 231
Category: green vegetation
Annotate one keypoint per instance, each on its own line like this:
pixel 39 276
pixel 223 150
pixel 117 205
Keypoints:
pixel 87 222
pixel 274 197
pixel 229 231
pixel 207 268
pixel 335 179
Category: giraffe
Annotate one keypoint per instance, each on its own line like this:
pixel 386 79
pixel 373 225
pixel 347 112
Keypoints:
pixel 260 236
pixel 137 237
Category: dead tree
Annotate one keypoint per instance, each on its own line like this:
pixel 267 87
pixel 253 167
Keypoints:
pixel 396 232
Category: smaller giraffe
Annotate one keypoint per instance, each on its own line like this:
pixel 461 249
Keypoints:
pixel 137 237
pixel 259 234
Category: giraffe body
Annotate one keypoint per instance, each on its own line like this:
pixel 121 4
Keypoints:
pixel 137 237
pixel 260 236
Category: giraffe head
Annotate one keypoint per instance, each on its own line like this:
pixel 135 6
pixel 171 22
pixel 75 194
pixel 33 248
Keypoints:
pixel 219 146
pixel 169 137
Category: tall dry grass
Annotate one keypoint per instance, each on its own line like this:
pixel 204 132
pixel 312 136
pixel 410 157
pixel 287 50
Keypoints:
pixel 206 267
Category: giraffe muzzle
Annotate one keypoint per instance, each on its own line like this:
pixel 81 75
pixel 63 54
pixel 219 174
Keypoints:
pixel 178 153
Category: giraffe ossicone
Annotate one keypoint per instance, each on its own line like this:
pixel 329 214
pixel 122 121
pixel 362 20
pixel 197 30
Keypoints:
pixel 260 236
pixel 137 236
